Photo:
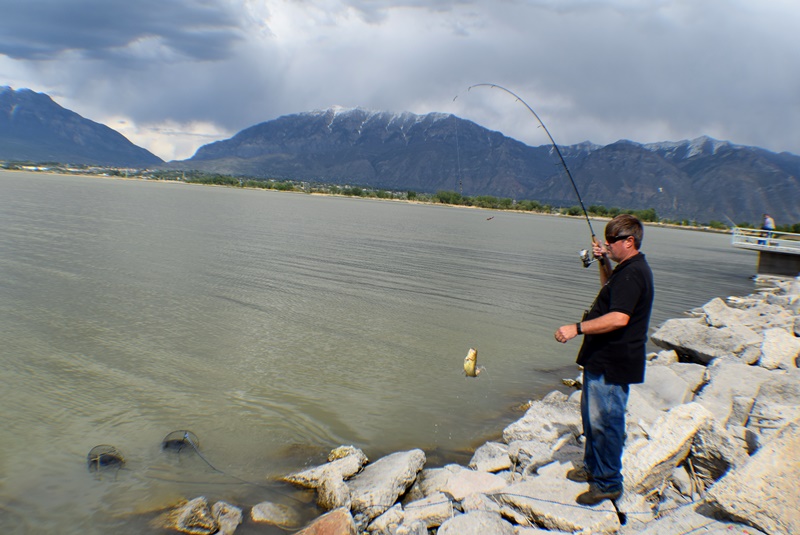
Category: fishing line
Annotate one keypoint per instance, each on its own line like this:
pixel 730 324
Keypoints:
pixel 177 440
pixel 587 260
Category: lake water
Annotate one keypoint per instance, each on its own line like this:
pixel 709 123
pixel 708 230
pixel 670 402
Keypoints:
pixel 276 326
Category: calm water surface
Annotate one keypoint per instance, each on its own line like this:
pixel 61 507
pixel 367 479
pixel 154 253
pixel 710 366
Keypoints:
pixel 275 326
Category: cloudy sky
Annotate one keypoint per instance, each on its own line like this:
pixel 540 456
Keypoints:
pixel 172 75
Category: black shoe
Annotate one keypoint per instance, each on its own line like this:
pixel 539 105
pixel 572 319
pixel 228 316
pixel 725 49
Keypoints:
pixel 579 475
pixel 593 496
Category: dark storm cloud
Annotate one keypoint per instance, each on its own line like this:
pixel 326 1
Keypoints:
pixel 597 70
pixel 44 29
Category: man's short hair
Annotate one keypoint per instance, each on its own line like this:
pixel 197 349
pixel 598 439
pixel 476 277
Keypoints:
pixel 626 225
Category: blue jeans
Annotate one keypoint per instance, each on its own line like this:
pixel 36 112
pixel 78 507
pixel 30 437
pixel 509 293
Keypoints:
pixel 603 413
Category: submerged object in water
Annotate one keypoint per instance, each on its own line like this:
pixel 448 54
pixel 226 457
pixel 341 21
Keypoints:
pixel 104 456
pixel 471 367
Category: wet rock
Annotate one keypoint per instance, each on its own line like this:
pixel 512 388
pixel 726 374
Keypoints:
pixel 345 461
pixel 333 493
pixel 764 492
pixel 377 487
pixel 275 514
pixel 228 517
pixel 194 517
pixel 476 523
pixel 337 522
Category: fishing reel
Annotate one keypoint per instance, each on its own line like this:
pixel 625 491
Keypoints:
pixel 586 257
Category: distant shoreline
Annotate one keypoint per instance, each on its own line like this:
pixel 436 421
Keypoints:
pixel 698 228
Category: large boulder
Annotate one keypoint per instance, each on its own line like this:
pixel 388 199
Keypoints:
pixel 275 514
pixel 764 493
pixel 546 421
pixel 344 462
pixel 647 463
pixel 777 403
pixel 729 378
pixel 491 457
pixel 780 349
pixel 378 486
pixel 694 339
pixel 548 500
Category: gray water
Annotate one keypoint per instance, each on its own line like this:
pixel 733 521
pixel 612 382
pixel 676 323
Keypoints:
pixel 275 326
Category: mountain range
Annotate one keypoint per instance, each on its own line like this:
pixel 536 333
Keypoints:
pixel 701 179
pixel 34 128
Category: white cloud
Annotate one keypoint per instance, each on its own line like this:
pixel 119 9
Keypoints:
pixel 598 70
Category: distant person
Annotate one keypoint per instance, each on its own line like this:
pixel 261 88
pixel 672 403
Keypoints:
pixel 612 355
pixel 769 227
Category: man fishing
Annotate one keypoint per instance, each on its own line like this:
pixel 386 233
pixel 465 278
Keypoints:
pixel 612 355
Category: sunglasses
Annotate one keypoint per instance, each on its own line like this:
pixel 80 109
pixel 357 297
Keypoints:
pixel 615 239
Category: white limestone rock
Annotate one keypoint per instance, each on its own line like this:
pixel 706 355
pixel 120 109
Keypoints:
pixel 377 487
pixel 476 523
pixel 647 463
pixel 764 493
pixel 780 349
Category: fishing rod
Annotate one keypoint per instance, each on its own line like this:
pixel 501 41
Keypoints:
pixel 584 254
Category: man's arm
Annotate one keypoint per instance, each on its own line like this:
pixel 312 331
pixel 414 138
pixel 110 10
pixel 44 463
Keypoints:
pixel 604 324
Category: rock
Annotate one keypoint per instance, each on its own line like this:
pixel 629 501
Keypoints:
pixel 431 480
pixel 333 492
pixel 536 531
pixel 431 511
pixel 414 528
pixel 718 314
pixel 479 502
pixel 663 388
pixel 726 382
pixel 379 484
pixel 777 403
pixel 664 357
pixel 646 464
pixel 548 500
pixel 764 493
pixel 692 338
pixel 276 514
pixel 491 457
pixel 545 421
pixel 465 482
pixel 338 522
pixel 639 415
pixel 779 350
pixel 388 522
pixel 476 523
pixel 688 520
pixel 193 517
pixel 529 455
pixel 714 451
pixel 346 461
pixel 694 374
pixel 228 517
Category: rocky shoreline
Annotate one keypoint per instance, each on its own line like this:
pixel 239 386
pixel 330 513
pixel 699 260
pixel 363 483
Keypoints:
pixel 713 446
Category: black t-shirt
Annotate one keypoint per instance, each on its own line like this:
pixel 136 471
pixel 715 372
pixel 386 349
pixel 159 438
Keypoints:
pixel 620 354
